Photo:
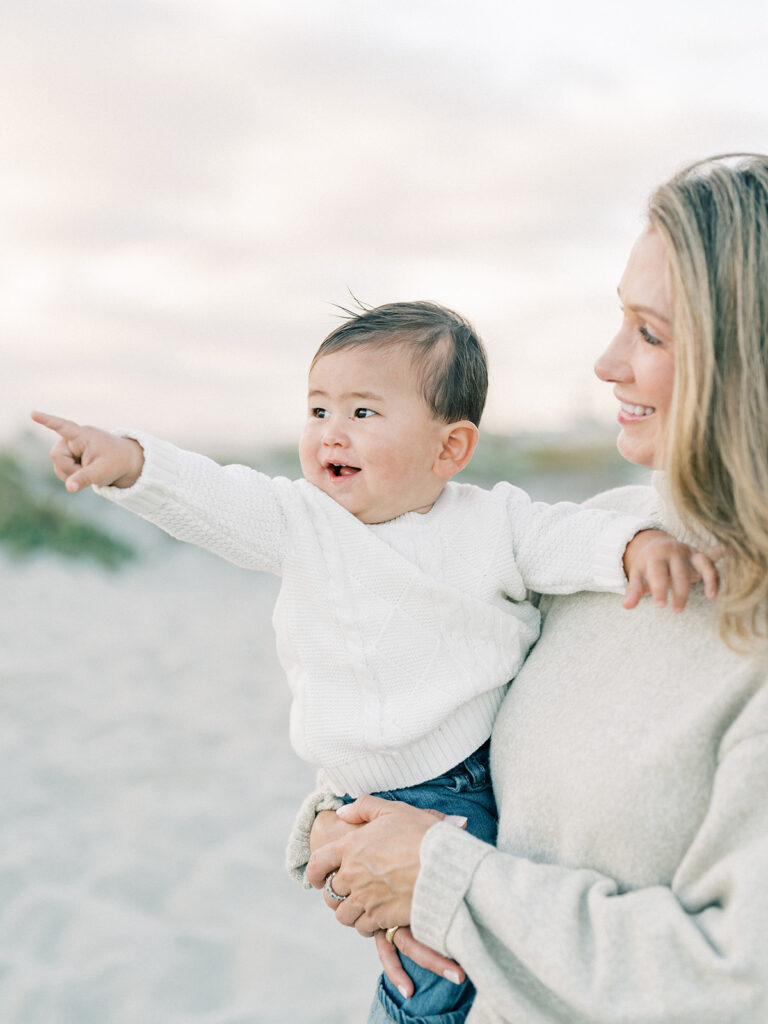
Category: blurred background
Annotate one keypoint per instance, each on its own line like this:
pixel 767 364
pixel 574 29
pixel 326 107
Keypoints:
pixel 188 188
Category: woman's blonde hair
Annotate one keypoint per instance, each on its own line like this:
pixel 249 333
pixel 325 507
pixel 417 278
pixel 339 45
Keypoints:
pixel 713 217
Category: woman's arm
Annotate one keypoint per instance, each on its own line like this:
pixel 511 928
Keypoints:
pixel 546 942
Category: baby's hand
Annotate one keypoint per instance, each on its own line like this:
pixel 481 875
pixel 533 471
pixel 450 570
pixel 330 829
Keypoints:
pixel 653 561
pixel 86 455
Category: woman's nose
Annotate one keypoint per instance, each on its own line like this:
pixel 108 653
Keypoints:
pixel 614 365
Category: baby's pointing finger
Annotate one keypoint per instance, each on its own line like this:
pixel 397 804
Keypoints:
pixel 65 428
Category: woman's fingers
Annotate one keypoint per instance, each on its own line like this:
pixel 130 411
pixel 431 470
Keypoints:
pixel 321 863
pixel 390 963
pixel 333 895
pixel 348 913
pixel 404 942
pixel 427 957
pixel 364 809
pixel 327 858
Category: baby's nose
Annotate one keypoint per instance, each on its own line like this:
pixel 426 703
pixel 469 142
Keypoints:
pixel 335 432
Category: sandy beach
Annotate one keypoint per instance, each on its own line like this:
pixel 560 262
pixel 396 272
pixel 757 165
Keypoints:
pixel 147 790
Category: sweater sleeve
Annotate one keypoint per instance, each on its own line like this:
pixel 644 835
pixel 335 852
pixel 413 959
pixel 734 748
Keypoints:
pixel 298 850
pixel 564 548
pixel 563 944
pixel 233 511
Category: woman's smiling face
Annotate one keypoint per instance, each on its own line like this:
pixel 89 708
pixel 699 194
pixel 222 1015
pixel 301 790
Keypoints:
pixel 640 359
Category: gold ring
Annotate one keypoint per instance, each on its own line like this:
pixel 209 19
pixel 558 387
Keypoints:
pixel 389 935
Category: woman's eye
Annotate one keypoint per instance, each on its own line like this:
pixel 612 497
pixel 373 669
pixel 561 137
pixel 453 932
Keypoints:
pixel 363 414
pixel 650 338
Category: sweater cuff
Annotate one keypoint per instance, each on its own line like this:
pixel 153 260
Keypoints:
pixel 297 851
pixel 449 859
pixel 609 570
pixel 150 491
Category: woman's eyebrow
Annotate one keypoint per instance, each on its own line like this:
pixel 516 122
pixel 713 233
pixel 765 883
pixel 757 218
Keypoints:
pixel 639 308
pixel 648 310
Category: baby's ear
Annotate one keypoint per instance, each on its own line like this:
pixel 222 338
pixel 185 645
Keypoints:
pixel 459 441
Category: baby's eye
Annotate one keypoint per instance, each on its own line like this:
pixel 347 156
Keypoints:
pixel 363 414
pixel 650 338
pixel 318 414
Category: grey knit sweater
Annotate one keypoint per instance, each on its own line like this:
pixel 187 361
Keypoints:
pixel 630 881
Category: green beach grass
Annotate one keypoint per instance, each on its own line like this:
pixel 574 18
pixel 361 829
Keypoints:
pixel 33 518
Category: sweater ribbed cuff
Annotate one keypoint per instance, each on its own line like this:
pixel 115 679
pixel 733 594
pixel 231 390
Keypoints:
pixel 609 572
pixel 297 851
pixel 449 859
pixel 150 491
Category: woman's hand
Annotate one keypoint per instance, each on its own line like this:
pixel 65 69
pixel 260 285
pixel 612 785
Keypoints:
pixel 404 941
pixel 327 827
pixel 376 866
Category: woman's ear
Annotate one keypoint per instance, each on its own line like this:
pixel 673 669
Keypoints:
pixel 459 441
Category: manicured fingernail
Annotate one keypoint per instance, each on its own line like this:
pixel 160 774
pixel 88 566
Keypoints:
pixel 455 819
pixel 452 976
pixel 401 990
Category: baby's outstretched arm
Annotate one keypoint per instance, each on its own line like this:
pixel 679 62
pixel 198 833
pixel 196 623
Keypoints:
pixel 86 455
pixel 654 561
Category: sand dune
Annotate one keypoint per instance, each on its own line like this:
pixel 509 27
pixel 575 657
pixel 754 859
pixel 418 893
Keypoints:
pixel 147 789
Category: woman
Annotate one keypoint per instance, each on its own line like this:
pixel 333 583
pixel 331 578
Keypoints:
pixel 630 758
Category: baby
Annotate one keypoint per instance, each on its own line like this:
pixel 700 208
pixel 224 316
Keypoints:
pixel 403 612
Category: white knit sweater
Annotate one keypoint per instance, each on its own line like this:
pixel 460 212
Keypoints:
pixel 630 882
pixel 398 639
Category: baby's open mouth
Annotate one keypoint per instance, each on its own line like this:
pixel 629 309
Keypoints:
pixel 336 469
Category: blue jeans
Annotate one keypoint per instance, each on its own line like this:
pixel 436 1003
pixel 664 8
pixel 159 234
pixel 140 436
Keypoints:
pixel 465 789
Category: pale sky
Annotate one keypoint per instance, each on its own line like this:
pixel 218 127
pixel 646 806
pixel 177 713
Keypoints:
pixel 188 186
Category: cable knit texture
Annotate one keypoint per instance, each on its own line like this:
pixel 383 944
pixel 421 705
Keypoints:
pixel 398 639
pixel 630 881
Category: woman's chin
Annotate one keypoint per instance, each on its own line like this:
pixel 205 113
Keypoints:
pixel 639 452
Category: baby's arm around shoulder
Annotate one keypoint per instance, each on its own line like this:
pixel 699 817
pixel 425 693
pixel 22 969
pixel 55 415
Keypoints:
pixel 564 548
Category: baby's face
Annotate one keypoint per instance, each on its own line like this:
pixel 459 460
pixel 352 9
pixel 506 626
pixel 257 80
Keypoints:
pixel 370 440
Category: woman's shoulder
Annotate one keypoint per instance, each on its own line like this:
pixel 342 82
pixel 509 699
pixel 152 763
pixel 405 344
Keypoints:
pixel 637 499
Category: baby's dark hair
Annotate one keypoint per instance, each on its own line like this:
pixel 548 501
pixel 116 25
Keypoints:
pixel 447 354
